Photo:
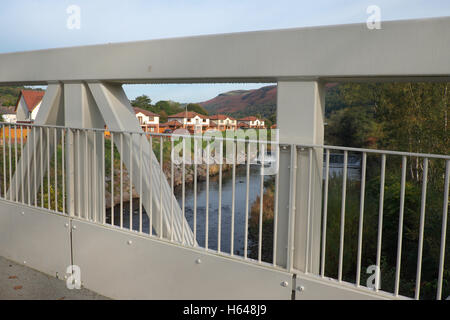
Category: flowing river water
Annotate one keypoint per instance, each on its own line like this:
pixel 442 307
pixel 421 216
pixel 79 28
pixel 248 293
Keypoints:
pixel 226 212
pixel 213 212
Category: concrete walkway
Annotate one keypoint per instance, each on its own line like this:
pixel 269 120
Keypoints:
pixel 21 283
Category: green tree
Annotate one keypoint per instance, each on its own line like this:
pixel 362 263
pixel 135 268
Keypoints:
pixel 196 108
pixel 143 102
pixel 352 127
pixel 169 107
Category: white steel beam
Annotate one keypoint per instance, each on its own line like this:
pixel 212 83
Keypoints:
pixel 87 106
pixel 119 116
pixel 300 113
pixel 401 49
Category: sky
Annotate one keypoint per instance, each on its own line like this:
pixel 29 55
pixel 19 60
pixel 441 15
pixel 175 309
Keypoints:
pixel 42 24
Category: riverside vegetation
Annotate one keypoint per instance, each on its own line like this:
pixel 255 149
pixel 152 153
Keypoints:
pixel 410 117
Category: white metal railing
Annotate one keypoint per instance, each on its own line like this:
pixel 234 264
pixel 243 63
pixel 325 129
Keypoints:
pixel 233 207
pixel 404 170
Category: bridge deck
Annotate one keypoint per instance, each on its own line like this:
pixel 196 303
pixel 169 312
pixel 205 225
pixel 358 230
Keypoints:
pixel 22 283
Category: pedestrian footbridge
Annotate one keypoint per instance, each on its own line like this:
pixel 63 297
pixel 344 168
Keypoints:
pixel 86 153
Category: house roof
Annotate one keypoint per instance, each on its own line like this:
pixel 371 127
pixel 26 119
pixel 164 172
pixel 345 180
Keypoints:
pixel 32 98
pixel 171 123
pixel 188 114
pixel 7 110
pixel 249 118
pixel 243 125
pixel 146 112
pixel 221 117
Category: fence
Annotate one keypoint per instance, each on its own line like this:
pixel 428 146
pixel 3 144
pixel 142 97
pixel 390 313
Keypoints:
pixel 380 210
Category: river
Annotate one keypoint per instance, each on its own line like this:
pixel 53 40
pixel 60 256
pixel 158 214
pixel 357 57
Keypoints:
pixel 227 187
pixel 213 221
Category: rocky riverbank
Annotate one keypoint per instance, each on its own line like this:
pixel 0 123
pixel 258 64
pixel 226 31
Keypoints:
pixel 178 180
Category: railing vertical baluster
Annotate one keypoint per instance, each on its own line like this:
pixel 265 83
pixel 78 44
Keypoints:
pixel 35 168
pixel 380 221
pixel 219 209
pixel 233 199
pixel 309 231
pixel 207 197
pixel 325 213
pixel 80 213
pixel 173 192
pixel 247 194
pixel 10 164
pixel 28 166
pixel 95 188
pixel 63 165
pixel 292 204
pixel 21 166
pixel 444 231
pixel 121 179
pixel 344 193
pixel 161 159
pixel 422 227
pixel 86 176
pixel 151 187
pixel 140 183
pixel 42 165
pixel 15 163
pixel 48 170
pixel 275 209
pixel 183 186
pixel 112 178
pixel 195 186
pixel 261 202
pixel 130 176
pixel 103 178
pixel 400 226
pixel 361 218
pixel 4 162
pixel 56 169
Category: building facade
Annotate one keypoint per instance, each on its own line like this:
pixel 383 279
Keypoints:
pixel 251 122
pixel 224 122
pixel 28 105
pixel 149 121
pixel 193 121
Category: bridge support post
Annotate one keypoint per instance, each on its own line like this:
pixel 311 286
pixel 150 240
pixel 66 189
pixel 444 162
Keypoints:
pixel 87 106
pixel 300 118
pixel 80 111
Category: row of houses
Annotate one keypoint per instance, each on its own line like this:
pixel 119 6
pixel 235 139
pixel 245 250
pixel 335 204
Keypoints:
pixel 194 122
pixel 29 102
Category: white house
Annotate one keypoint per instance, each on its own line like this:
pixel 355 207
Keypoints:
pixel 9 117
pixel 8 114
pixel 191 120
pixel 149 121
pixel 252 122
pixel 224 122
pixel 28 105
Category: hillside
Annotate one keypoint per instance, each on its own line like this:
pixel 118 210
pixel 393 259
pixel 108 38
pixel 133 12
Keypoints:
pixel 262 102
pixel 242 103
pixel 9 95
